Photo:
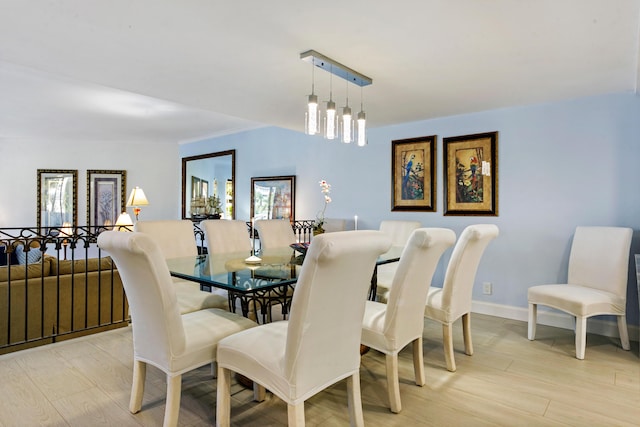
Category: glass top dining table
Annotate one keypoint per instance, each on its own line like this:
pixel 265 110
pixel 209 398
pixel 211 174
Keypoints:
pixel 273 278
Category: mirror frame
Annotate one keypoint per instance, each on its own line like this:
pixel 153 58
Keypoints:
pixel 232 153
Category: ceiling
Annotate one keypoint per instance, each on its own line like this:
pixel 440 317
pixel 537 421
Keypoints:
pixel 169 71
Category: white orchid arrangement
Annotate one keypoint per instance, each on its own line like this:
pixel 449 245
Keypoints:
pixel 325 188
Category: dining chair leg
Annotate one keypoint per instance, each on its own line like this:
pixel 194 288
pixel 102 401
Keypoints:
pixel 172 405
pixel 355 400
pixel 259 392
pixel 447 341
pixel 418 362
pixel 223 400
pixel 533 314
pixel 466 333
pixel 137 387
pixel 393 382
pixel 581 336
pixel 624 333
pixel 295 414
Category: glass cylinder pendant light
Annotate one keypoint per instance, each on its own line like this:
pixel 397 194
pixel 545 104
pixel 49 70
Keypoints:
pixel 362 121
pixel 331 118
pixel 346 122
pixel 311 122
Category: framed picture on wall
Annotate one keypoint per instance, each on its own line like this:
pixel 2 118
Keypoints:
pixel 105 196
pixel 273 197
pixel 471 174
pixel 57 194
pixel 413 174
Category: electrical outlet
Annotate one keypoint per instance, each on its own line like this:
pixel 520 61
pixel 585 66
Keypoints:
pixel 487 288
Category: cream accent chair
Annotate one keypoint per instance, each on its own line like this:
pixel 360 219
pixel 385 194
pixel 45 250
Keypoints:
pixel 399 232
pixel 226 236
pixel 389 327
pixel 596 282
pixel 174 343
pixel 453 300
pixel 176 239
pixel 275 233
pixel 320 344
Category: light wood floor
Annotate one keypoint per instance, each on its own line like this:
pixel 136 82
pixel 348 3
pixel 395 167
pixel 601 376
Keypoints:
pixel 509 381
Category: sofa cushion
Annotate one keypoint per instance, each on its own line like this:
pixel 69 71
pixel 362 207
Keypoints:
pixel 79 266
pixel 32 270
pixel 33 256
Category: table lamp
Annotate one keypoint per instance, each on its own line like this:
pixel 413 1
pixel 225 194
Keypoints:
pixel 137 199
pixel 124 222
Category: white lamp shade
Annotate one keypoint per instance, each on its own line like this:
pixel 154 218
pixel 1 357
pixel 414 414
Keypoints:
pixel 124 220
pixel 137 198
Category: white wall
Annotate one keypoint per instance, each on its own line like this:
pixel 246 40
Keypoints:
pixel 560 165
pixel 153 167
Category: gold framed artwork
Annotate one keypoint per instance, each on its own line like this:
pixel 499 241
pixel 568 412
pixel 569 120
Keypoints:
pixel 471 174
pixel 106 196
pixel 57 195
pixel 413 174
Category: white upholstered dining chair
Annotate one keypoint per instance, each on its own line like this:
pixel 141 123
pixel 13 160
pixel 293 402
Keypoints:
pixel 275 233
pixel 596 283
pixel 226 236
pixel 172 342
pixel 320 344
pixel 390 327
pixel 453 300
pixel 175 239
pixel 399 232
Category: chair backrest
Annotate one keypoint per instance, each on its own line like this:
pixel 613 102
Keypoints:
pixel 399 231
pixel 334 224
pixel 158 333
pixel 600 258
pixel 404 316
pixel 174 237
pixel 226 236
pixel 325 325
pixel 463 265
pixel 275 233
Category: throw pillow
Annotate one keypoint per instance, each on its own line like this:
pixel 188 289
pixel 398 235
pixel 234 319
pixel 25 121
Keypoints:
pixel 31 257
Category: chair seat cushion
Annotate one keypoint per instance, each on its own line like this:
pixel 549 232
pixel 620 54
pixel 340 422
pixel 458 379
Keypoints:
pixel 191 298
pixel 577 300
pixel 434 309
pixel 373 327
pixel 259 355
pixel 203 330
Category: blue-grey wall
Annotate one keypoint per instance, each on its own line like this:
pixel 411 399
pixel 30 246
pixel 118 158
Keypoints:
pixel 560 165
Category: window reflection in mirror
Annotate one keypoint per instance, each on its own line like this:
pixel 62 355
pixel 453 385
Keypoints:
pixel 208 186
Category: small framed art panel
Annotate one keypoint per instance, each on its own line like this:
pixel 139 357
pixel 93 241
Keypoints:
pixel 413 174
pixel 106 196
pixel 57 198
pixel 471 174
pixel 273 197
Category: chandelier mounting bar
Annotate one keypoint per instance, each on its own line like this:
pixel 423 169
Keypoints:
pixel 335 68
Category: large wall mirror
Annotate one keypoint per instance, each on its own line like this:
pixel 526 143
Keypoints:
pixel 208 185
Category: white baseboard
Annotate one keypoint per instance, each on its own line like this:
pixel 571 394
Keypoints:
pixel 553 318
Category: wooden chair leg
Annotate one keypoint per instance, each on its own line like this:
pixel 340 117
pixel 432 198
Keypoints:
pixel 624 333
pixel 223 399
pixel 393 383
pixel 466 333
pixel 259 392
pixel 447 342
pixel 172 405
pixel 581 336
pixel 533 314
pixel 295 414
pixel 137 387
pixel 418 362
pixel 355 400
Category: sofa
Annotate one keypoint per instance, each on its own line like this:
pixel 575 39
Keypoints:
pixel 52 300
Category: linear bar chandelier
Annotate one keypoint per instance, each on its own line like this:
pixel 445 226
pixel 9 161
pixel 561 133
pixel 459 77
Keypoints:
pixel 331 127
